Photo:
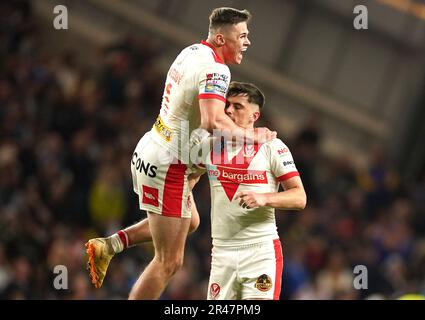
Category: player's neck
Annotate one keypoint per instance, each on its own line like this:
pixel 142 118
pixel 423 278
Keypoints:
pixel 217 49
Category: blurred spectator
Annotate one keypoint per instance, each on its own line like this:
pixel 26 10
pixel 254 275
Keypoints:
pixel 107 199
pixel 306 149
pixel 336 279
pixel 379 181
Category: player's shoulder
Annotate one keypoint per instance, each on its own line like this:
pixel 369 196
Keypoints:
pixel 198 50
pixel 277 147
pixel 275 143
pixel 208 56
pixel 196 47
pixel 194 50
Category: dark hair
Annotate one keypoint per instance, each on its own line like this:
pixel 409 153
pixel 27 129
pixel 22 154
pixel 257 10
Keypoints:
pixel 227 16
pixel 246 89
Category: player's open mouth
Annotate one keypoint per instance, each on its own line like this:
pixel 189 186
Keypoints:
pixel 242 52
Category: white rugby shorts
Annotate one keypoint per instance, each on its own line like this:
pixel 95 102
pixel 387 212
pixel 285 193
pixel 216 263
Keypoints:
pixel 161 184
pixel 252 271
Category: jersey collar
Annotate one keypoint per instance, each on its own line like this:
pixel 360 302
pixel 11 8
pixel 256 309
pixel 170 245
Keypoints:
pixel 214 53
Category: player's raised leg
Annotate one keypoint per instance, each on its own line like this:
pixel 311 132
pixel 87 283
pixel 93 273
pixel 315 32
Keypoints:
pixel 101 250
pixel 169 238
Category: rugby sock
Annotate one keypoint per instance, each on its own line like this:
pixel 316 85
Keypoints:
pixel 119 241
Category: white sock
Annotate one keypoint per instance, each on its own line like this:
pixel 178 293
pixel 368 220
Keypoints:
pixel 116 243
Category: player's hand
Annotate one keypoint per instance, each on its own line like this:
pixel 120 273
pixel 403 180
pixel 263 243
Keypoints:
pixel 193 178
pixel 250 199
pixel 263 135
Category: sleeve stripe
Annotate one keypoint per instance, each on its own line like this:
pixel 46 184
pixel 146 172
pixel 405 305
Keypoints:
pixel 211 96
pixel 288 175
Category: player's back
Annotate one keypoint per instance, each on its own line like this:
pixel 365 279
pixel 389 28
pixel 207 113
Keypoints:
pixel 196 73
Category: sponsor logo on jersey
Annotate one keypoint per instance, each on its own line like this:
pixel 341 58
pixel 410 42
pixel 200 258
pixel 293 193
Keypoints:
pixel 165 132
pixel 150 195
pixel 215 87
pixel 238 175
pixel 217 76
pixel 282 151
pixel 214 291
pixel 263 283
pixel 288 163
pixel 147 168
pixel 233 173
pixel 216 83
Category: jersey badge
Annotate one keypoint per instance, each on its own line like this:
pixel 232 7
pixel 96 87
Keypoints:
pixel 263 283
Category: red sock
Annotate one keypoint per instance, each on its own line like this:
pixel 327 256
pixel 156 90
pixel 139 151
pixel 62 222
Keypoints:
pixel 124 238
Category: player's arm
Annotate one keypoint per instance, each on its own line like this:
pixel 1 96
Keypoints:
pixel 214 117
pixel 292 198
pixel 213 83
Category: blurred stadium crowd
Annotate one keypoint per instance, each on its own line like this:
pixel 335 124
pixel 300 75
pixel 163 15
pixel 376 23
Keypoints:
pixel 66 139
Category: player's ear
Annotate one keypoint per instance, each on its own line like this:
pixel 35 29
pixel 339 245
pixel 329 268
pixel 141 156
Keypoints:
pixel 219 39
pixel 255 115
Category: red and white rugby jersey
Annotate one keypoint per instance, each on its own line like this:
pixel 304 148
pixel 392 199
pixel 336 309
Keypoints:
pixel 196 73
pixel 258 168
